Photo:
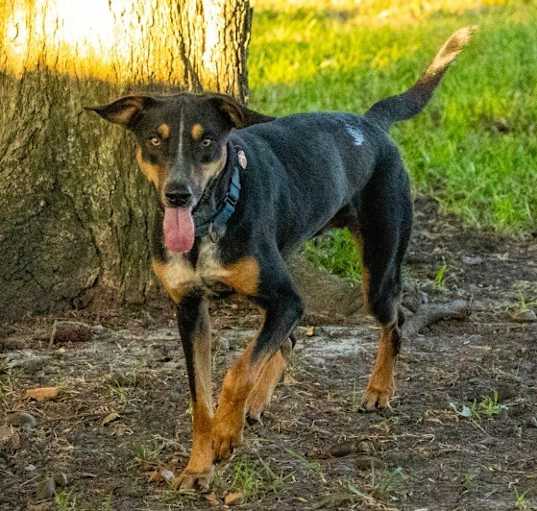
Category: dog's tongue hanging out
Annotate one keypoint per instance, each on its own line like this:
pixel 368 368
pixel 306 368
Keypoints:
pixel 178 229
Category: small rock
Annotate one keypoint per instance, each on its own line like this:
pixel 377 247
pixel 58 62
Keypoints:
pixel 162 474
pixel 22 419
pixel 43 393
pixel 234 498
pixel 166 474
pixel 472 260
pixel 46 489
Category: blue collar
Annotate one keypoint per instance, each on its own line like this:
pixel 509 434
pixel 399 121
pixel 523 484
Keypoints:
pixel 215 224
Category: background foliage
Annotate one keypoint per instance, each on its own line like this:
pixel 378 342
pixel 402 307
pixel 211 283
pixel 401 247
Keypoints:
pixel 474 149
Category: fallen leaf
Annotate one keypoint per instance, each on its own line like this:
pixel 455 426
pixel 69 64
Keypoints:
pixel 212 499
pixel 155 476
pixel 43 393
pixel 524 316
pixel 111 417
pixel 234 498
pixel 310 331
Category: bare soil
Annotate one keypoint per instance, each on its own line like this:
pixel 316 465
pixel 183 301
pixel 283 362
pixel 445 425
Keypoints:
pixel 461 435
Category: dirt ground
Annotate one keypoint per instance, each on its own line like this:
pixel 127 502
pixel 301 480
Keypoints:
pixel 461 435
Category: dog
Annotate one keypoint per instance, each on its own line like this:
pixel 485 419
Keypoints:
pixel 237 192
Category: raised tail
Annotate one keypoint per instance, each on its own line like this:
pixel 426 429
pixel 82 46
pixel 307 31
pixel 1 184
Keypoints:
pixel 411 102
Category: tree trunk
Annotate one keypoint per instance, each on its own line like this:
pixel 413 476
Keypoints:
pixel 76 213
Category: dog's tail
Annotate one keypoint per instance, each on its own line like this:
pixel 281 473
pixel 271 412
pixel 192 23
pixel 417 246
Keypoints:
pixel 410 103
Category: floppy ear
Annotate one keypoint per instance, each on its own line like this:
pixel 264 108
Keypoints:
pixel 124 110
pixel 238 114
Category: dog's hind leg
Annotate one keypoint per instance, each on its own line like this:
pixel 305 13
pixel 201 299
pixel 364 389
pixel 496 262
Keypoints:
pixel 271 375
pixel 385 218
pixel 283 307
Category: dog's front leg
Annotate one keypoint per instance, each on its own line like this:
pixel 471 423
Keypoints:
pixel 283 309
pixel 194 328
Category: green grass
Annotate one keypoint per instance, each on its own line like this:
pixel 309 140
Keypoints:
pixel 253 477
pixel 336 251
pixel 489 407
pixel 474 148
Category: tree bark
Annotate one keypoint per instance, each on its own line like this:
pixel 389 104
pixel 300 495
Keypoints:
pixel 76 213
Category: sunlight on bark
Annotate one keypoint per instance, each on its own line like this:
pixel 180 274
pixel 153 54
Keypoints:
pixel 54 33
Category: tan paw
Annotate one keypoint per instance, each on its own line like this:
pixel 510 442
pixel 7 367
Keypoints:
pixel 255 412
pixel 227 435
pixel 375 398
pixel 194 479
pixel 272 374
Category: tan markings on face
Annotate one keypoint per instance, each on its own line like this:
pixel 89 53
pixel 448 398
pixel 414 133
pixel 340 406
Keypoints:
pixel 164 131
pixel 197 131
pixel 243 276
pixel 154 173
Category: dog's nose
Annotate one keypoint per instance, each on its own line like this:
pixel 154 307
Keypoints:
pixel 178 195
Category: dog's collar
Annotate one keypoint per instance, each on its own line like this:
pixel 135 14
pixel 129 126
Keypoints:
pixel 215 224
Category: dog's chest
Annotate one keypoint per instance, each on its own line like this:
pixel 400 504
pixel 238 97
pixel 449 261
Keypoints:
pixel 179 275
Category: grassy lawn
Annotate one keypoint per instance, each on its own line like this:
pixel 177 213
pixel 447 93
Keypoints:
pixel 474 148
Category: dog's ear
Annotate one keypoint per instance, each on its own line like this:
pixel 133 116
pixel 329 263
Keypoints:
pixel 238 114
pixel 123 111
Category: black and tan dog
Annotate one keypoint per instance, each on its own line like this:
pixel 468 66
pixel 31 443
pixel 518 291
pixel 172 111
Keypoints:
pixel 238 191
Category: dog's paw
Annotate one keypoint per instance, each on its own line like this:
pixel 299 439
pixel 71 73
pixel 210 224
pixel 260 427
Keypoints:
pixel 255 417
pixel 261 395
pixel 257 404
pixel 227 435
pixel 194 479
pixel 375 398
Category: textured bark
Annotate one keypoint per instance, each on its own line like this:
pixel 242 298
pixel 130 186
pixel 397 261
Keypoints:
pixel 76 213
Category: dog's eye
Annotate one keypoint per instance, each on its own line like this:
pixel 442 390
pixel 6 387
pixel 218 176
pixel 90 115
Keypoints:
pixel 155 141
pixel 206 142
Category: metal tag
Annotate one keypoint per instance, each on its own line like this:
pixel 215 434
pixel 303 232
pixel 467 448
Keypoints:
pixel 243 162
pixel 213 234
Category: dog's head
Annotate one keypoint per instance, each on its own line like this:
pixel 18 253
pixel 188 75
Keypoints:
pixel 181 145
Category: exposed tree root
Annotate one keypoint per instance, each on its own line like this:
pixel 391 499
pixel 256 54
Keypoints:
pixel 428 314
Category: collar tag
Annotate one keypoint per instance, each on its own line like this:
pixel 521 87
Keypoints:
pixel 243 161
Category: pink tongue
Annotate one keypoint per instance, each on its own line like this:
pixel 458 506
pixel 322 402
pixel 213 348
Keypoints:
pixel 178 229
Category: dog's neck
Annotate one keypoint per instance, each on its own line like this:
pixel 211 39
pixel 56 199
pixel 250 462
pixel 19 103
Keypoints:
pixel 212 203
